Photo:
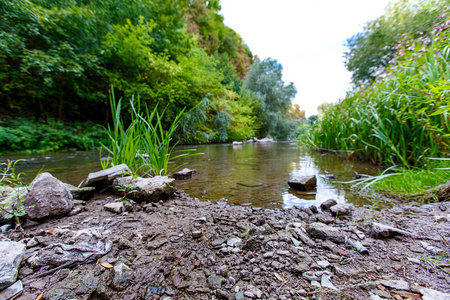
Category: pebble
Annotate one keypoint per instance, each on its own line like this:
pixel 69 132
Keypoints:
pixel 234 242
pixel 323 263
pixel 196 234
pixel 325 281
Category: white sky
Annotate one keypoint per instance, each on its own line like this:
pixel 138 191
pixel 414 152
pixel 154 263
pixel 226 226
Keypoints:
pixel 306 37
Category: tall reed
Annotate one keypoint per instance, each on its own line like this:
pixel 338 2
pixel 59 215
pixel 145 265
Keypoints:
pixel 399 120
pixel 144 145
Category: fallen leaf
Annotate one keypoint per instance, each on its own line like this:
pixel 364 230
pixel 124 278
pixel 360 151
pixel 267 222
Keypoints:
pixel 107 265
pixel 40 295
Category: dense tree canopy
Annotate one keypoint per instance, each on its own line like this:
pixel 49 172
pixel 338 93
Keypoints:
pixel 59 59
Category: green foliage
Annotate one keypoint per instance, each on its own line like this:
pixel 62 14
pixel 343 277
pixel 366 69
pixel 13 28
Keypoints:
pixel 13 205
pixel 144 145
pixel 265 80
pixel 403 117
pixel 126 190
pixel 24 135
pixel 369 52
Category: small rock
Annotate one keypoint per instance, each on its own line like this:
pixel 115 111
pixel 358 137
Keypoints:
pixel 325 281
pixel 196 234
pixel 323 264
pixel 384 231
pixel 327 204
pixel 341 210
pixel 122 275
pixel 84 193
pixel 184 174
pixel 215 281
pixel 234 242
pixel 299 268
pixel 277 265
pixel 114 207
pixel 5 228
pixel 156 244
pixel 316 284
pixel 268 254
pixel 325 232
pixel 217 242
pixel 304 183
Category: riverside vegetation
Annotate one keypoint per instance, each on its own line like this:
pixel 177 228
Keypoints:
pixel 397 113
pixel 60 58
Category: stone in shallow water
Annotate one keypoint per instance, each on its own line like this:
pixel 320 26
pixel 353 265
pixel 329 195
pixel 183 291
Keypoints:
pixel 304 183
pixel 184 174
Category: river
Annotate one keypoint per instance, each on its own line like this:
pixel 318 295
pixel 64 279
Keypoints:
pixel 249 174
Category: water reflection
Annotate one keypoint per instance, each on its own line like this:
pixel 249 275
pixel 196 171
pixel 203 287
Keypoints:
pixel 248 174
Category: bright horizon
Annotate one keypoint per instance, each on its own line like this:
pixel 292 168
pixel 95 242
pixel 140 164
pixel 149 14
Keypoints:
pixel 306 37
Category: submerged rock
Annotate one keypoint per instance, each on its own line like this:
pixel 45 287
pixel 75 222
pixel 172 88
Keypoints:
pixel 184 174
pixel 47 197
pixel 304 183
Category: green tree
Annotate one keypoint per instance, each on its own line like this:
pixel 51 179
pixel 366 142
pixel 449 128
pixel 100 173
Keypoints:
pixel 265 80
pixel 369 52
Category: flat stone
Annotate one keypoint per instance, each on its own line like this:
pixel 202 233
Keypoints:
pixel 323 263
pixel 304 183
pixel 384 231
pixel 105 177
pixel 184 174
pixel 217 242
pixel 114 207
pixel 304 237
pixel 299 268
pixel 429 294
pixel 11 255
pixel 395 284
pixel 146 189
pixel 277 265
pixel 325 232
pixel 12 291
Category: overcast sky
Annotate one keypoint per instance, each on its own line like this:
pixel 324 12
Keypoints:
pixel 306 37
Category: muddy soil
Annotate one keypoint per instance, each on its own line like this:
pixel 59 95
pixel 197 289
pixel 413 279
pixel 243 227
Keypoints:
pixel 184 248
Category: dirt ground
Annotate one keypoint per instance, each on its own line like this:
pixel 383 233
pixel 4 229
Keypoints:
pixel 184 248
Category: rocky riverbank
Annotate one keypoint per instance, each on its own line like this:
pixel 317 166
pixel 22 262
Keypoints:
pixel 184 248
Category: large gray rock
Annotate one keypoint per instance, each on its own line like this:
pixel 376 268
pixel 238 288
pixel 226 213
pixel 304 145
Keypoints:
pixel 146 189
pixel 304 183
pixel 47 197
pixel 104 178
pixel 325 232
pixel 11 255
pixel 84 193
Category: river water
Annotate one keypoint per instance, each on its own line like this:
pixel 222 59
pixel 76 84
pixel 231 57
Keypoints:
pixel 249 174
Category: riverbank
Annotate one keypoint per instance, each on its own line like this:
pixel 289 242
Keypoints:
pixel 184 248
